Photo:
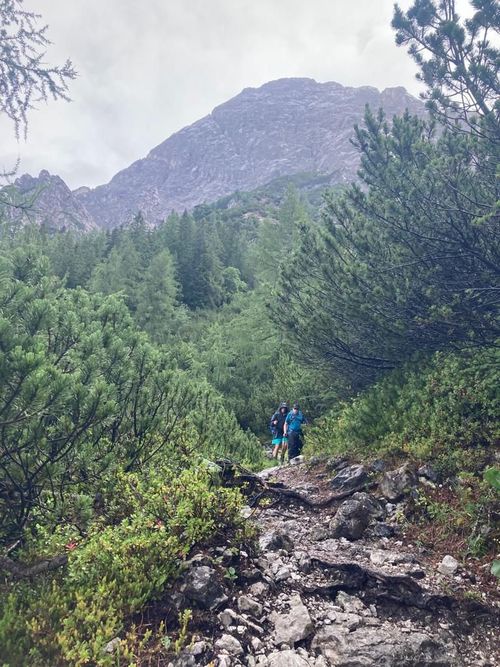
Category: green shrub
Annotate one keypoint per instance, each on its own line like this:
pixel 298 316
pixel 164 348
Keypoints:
pixel 155 521
pixel 445 409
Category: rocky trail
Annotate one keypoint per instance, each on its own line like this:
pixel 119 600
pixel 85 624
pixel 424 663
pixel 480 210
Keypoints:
pixel 335 582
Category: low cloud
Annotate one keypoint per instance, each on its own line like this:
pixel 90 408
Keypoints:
pixel 148 69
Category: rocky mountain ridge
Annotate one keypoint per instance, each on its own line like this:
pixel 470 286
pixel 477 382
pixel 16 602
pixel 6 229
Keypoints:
pixel 282 128
pixel 46 200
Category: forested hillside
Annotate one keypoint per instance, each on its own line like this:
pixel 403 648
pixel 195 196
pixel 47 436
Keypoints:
pixel 132 359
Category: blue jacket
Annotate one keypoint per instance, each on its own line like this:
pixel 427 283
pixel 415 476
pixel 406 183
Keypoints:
pixel 295 421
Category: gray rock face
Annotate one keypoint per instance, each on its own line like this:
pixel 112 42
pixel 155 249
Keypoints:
pixel 293 626
pixel 229 644
pixel 275 540
pixel 50 202
pixel 353 516
pixel 287 659
pixel 202 586
pixel 395 483
pixel 384 647
pixel 284 127
pixel 351 478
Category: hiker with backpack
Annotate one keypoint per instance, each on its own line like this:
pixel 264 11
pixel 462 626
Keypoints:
pixel 276 426
pixel 293 431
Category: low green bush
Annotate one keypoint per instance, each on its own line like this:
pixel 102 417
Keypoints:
pixel 129 557
pixel 444 410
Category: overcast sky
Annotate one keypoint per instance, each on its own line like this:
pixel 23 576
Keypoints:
pixel 147 69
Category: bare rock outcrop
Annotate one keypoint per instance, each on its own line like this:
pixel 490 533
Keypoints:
pixel 285 127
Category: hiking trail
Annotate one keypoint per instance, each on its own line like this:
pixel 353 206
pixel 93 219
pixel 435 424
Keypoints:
pixel 336 582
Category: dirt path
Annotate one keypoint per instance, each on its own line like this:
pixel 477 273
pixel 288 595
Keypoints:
pixel 338 585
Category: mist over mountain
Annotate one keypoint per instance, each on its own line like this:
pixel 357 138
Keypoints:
pixel 283 128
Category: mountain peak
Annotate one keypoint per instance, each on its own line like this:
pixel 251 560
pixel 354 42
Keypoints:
pixel 284 127
pixel 47 200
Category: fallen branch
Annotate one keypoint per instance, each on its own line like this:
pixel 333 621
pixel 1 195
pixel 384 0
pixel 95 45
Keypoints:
pixel 20 571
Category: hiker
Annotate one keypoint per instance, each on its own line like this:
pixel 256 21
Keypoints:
pixel 293 429
pixel 277 426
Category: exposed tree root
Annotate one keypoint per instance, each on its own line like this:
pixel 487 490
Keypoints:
pixel 257 488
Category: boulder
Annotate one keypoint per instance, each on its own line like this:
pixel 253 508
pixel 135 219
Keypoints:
pixel 293 626
pixel 352 478
pixel 246 604
pixel 383 646
pixel 229 644
pixel 448 566
pixel 287 659
pixel 396 483
pixel 354 515
pixel 202 586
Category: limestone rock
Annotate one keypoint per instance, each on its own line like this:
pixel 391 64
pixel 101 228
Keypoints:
pixel 287 659
pixel 292 627
pixel 353 516
pixel 383 646
pixel 274 540
pixel 284 127
pixel 448 566
pixel 246 604
pixel 258 589
pixel 229 644
pixel 396 483
pixel 351 478
pixel 112 646
pixel 282 574
pixel 54 205
pixel 201 585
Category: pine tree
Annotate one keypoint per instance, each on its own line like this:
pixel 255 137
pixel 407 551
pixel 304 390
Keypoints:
pixel 158 309
pixel 207 285
pixel 186 257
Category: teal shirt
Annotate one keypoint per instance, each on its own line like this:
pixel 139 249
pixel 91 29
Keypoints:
pixel 295 421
